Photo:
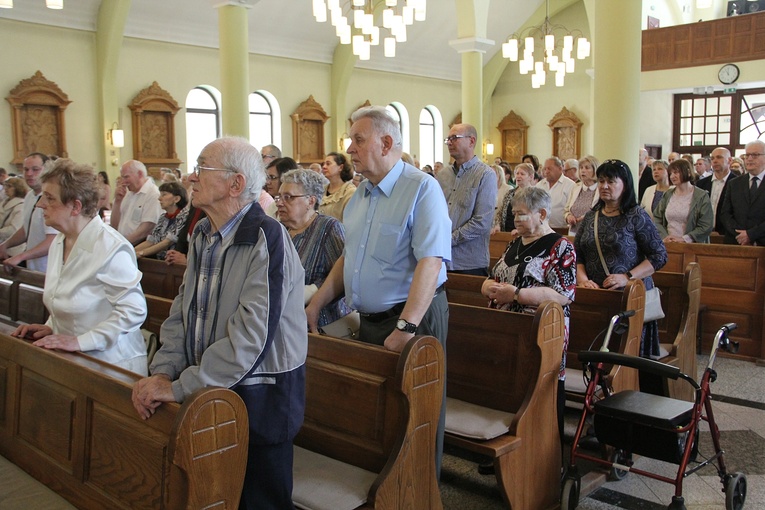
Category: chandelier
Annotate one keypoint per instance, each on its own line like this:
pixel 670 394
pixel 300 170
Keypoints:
pixel 555 50
pixel 359 14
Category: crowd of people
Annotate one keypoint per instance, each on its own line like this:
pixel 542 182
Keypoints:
pixel 275 250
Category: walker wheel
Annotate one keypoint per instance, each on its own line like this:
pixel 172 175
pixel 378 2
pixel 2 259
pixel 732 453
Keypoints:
pixel 735 491
pixel 570 497
pixel 619 457
pixel 678 503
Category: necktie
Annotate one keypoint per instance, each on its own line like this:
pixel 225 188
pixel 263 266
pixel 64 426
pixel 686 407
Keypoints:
pixel 753 188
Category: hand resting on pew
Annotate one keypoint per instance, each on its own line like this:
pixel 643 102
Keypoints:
pixel 149 393
pixel 44 337
pixel 175 257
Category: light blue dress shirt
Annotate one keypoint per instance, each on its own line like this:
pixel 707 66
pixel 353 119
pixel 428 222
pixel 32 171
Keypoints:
pixel 388 229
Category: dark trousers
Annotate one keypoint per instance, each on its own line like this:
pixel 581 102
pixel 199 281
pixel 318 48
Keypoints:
pixel 268 478
pixel 479 271
pixel 434 323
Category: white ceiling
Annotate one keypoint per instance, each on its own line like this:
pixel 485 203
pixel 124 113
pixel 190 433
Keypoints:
pixel 286 28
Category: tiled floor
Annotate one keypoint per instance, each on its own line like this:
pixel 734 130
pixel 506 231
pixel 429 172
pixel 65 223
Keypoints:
pixel 739 407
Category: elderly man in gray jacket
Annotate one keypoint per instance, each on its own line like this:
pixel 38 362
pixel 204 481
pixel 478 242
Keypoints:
pixel 238 320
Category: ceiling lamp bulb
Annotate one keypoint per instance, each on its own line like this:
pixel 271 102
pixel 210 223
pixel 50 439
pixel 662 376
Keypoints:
pixel 54 4
pixel 549 42
pixel 510 50
pixel 390 47
pixel 6 4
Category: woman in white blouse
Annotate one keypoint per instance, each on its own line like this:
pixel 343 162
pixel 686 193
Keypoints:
pixel 92 286
pixel 583 196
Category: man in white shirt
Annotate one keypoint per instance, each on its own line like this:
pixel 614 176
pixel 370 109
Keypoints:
pixel 559 187
pixel 716 183
pixel 33 230
pixel 136 203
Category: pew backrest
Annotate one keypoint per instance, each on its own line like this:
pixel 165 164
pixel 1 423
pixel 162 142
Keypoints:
pixel 68 420
pixel 160 279
pixel 377 410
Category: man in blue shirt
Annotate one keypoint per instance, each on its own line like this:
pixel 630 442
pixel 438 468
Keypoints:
pixel 397 237
pixel 470 188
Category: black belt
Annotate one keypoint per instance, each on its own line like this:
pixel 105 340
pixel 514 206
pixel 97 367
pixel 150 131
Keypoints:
pixel 395 310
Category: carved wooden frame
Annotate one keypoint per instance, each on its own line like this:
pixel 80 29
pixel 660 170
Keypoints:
pixel 308 132
pixel 37 97
pixel 515 135
pixel 154 112
pixel 563 124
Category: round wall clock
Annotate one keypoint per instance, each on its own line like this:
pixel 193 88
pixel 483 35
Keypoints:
pixel 728 74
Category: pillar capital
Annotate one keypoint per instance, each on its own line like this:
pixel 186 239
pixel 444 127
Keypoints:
pixel 471 44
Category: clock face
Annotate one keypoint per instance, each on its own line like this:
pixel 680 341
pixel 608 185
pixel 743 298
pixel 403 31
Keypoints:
pixel 728 74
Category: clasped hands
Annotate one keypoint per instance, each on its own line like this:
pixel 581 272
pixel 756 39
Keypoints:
pixel 499 293
pixel 150 392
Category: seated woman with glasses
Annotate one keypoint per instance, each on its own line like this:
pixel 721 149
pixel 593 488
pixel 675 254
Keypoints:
pixel 274 171
pixel 172 199
pixel 319 239
pixel 92 286
pixel 684 214
pixel 539 265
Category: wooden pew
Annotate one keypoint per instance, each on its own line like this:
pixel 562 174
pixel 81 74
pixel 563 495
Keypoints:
pixel 591 313
pixel 67 419
pixel 508 363
pixel 497 245
pixel 732 289
pixel 21 295
pixel 160 279
pixel 370 425
pixel 157 310
pixel 681 294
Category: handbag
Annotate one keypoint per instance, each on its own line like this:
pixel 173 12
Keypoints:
pixel 653 310
pixel 345 327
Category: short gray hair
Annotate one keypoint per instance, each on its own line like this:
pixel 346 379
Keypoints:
pixel 313 183
pixel 534 198
pixel 572 163
pixel 238 155
pixel 382 122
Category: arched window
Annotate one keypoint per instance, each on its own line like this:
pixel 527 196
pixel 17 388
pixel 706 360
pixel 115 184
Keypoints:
pixel 202 121
pixel 399 113
pixel 265 120
pixel 430 136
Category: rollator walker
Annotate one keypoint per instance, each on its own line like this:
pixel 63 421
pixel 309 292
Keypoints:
pixel 658 427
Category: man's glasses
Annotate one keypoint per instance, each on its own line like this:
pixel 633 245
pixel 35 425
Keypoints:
pixel 452 138
pixel 198 169
pixel 754 154
pixel 287 198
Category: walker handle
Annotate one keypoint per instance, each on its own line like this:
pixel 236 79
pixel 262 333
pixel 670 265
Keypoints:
pixel 614 358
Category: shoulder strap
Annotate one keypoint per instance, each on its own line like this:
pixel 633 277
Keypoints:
pixel 597 244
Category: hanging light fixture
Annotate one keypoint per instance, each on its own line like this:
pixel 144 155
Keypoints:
pixel 546 48
pixel 6 4
pixel 54 4
pixel 359 15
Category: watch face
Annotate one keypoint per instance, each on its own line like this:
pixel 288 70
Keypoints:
pixel 728 74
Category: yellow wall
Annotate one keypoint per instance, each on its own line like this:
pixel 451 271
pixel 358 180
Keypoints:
pixel 538 106
pixel 67 57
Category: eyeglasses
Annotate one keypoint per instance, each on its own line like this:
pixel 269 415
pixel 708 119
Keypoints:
pixel 754 154
pixel 452 138
pixel 287 198
pixel 268 156
pixel 199 168
pixel 272 177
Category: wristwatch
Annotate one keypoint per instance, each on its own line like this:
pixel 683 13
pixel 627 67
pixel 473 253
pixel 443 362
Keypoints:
pixel 629 275
pixel 406 326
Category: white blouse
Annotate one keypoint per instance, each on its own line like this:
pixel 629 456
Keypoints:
pixel 96 295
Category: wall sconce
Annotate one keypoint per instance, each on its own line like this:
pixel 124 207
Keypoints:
pixel 116 136
pixel 54 4
pixel 345 142
pixel 489 147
